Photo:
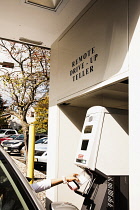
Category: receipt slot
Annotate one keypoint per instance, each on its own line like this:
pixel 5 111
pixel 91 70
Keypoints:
pixel 103 155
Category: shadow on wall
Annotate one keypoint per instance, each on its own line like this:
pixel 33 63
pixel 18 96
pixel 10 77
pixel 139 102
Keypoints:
pixel 75 114
pixel 122 120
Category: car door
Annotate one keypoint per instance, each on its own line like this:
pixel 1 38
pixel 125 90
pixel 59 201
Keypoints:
pixel 15 191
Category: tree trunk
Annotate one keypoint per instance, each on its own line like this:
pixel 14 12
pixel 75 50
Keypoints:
pixel 25 133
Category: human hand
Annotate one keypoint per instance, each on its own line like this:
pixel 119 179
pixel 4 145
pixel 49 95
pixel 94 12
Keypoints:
pixel 72 177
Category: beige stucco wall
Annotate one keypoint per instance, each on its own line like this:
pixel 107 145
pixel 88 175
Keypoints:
pixel 101 30
pixel 134 103
pixel 93 50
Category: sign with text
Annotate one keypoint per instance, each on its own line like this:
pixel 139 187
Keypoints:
pixel 83 65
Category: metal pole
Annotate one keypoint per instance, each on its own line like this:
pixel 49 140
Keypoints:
pixel 31 147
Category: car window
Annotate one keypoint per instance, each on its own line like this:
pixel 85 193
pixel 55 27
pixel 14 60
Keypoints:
pixel 21 137
pixel 15 192
pixel 38 153
pixel 10 132
pixel 2 131
pixel 40 140
pixel 13 136
pixel 10 197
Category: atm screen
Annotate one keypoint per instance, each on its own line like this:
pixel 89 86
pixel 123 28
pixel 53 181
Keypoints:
pixel 84 144
pixel 88 129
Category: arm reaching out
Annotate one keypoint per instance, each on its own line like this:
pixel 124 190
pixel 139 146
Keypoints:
pixel 64 179
pixel 48 183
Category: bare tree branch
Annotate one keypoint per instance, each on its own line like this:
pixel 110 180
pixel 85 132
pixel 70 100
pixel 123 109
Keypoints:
pixel 25 83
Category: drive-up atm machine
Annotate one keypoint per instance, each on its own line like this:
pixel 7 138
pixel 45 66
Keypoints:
pixel 103 156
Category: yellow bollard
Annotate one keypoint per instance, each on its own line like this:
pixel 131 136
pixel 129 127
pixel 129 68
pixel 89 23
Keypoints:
pixel 31 148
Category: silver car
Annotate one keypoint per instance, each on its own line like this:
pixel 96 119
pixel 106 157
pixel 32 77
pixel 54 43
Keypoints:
pixel 41 144
pixel 15 191
pixel 15 145
pixel 7 132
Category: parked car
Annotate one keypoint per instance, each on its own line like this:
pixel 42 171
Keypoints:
pixel 10 137
pixel 7 132
pixel 41 156
pixel 40 159
pixel 40 146
pixel 15 145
